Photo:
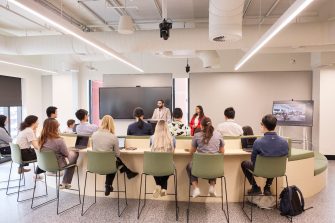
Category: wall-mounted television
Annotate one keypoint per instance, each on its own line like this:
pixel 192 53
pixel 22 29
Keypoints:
pixel 119 102
pixel 293 113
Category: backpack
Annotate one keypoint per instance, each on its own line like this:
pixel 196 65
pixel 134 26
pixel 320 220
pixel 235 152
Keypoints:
pixel 292 202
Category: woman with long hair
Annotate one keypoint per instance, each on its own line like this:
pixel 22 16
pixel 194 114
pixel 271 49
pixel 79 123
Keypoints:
pixel 196 119
pixel 27 138
pixel 205 141
pixel 140 127
pixel 105 140
pixel 162 141
pixel 5 138
pixel 50 140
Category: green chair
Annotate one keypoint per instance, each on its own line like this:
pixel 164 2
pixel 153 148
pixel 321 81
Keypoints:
pixel 208 166
pixel 157 164
pixel 47 161
pixel 6 158
pixel 266 167
pixel 104 163
pixel 17 158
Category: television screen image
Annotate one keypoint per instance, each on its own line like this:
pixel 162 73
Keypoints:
pixel 119 102
pixel 293 113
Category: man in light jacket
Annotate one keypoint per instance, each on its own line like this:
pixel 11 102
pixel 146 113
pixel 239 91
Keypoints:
pixel 162 112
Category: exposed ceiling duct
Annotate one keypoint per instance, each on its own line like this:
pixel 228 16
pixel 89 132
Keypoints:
pixel 209 58
pixel 225 20
pixel 126 25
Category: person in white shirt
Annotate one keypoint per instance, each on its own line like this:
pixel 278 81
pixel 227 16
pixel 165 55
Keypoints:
pixel 84 128
pixel 230 127
pixel 162 112
pixel 70 125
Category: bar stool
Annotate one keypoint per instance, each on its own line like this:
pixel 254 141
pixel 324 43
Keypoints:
pixel 17 158
pixel 103 163
pixel 266 167
pixel 157 164
pixel 208 166
pixel 8 157
pixel 47 161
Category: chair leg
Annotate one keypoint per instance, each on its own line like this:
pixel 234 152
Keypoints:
pixel 189 201
pixel 176 194
pixel 243 193
pixel 32 200
pixel 225 186
pixel 78 185
pixel 57 187
pixel 125 187
pixel 46 194
pixel 139 210
pixel 10 173
pixel 95 194
pixel 276 192
pixel 18 189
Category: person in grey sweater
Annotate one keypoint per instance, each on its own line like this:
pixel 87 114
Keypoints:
pixel 5 138
pixel 50 140
pixel 105 140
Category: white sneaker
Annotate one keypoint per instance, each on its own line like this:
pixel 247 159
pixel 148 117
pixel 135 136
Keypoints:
pixel 38 177
pixel 163 192
pixel 196 192
pixel 157 192
pixel 211 191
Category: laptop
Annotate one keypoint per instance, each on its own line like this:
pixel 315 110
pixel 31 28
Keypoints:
pixel 121 142
pixel 81 142
pixel 248 143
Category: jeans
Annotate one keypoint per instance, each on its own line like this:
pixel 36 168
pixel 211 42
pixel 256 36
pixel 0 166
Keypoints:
pixel 248 165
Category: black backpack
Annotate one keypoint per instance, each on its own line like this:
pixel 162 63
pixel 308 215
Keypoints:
pixel 292 202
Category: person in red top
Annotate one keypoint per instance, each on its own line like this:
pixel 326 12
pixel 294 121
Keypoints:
pixel 196 119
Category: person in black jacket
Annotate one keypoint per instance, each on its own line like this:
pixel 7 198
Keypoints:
pixel 140 127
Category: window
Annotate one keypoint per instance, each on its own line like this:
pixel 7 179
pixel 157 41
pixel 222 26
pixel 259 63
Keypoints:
pixel 14 117
pixel 181 96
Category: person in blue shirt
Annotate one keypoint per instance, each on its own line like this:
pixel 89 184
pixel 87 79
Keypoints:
pixel 140 127
pixel 271 145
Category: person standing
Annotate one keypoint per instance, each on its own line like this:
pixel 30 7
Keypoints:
pixel 230 127
pixel 5 138
pixel 196 119
pixel 162 112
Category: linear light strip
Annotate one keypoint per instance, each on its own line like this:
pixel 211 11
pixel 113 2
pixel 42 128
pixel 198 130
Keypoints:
pixel 297 7
pixel 26 66
pixel 73 33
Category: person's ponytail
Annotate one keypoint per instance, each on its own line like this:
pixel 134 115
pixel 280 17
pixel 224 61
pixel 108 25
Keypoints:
pixel 208 130
pixel 139 113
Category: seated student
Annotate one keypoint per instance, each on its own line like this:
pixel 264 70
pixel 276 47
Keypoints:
pixel 247 131
pixel 271 145
pixel 105 140
pixel 25 139
pixel 177 127
pixel 206 141
pixel 70 125
pixel 139 128
pixel 51 112
pixel 50 140
pixel 230 127
pixel 5 138
pixel 84 128
pixel 162 141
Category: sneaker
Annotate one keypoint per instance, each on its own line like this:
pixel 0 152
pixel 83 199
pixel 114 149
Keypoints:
pixel 267 191
pixel 38 177
pixel 157 192
pixel 196 192
pixel 131 175
pixel 255 190
pixel 211 191
pixel 108 190
pixel 163 192
pixel 64 186
pixel 22 170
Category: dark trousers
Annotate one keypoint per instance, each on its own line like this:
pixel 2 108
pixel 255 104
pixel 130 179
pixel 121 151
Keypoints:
pixel 124 168
pixel 162 181
pixel 5 150
pixel 248 165
pixel 28 155
pixel 193 178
